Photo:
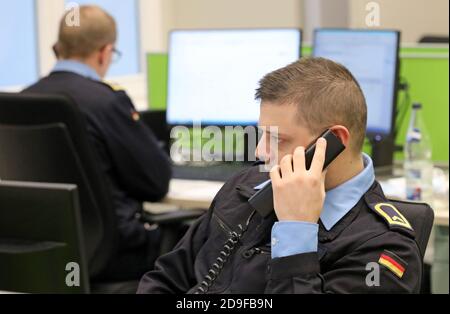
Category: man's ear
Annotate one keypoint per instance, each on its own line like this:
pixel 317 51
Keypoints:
pixel 342 133
pixel 103 53
pixel 55 49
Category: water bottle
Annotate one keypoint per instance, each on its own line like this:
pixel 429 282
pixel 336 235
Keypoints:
pixel 418 166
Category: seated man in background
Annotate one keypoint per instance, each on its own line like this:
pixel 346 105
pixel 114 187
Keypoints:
pixel 136 167
pixel 329 232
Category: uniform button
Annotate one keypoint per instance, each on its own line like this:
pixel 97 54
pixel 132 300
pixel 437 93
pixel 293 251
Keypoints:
pixel 274 241
pixel 248 253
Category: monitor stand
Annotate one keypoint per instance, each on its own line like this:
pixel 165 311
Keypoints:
pixel 383 154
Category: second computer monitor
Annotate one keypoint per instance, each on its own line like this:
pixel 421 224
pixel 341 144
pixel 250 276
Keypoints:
pixel 372 57
pixel 213 74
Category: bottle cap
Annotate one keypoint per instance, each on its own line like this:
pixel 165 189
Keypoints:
pixel 417 105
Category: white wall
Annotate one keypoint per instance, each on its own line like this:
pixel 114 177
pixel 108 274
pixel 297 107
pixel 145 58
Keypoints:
pixel 414 18
pixel 227 14
pixel 236 13
pixel 323 13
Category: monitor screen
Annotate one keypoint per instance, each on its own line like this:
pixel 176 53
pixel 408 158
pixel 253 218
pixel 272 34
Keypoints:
pixel 213 74
pixel 371 56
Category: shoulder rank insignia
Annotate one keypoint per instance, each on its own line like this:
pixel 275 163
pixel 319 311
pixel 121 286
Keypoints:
pixel 115 87
pixel 391 215
pixel 392 262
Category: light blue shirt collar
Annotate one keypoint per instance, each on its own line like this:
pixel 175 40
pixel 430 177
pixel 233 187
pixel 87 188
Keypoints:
pixel 340 200
pixel 77 68
pixel 260 186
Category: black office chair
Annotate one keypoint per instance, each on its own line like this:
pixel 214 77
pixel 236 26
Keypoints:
pixel 433 39
pixel 156 121
pixel 421 217
pixel 41 246
pixel 44 139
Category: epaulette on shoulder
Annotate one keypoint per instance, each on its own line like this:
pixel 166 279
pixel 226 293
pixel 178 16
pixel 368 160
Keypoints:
pixel 395 220
pixel 114 86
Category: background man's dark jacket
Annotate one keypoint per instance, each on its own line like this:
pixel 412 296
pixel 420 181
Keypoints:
pixel 136 168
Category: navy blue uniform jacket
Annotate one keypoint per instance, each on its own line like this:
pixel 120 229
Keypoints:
pixel 136 168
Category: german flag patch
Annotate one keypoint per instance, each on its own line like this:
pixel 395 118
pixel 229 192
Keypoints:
pixel 392 262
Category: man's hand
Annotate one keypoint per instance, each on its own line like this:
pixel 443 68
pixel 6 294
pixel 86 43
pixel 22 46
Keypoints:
pixel 298 194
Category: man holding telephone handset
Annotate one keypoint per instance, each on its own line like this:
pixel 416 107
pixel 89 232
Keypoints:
pixel 305 230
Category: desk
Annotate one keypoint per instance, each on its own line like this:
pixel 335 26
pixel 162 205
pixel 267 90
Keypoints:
pixel 441 216
pixel 394 187
pixel 188 194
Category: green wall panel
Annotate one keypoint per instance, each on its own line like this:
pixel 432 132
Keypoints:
pixel 157 80
pixel 427 76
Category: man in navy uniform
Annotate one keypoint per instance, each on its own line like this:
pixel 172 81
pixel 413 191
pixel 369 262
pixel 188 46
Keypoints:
pixel 330 232
pixel 135 165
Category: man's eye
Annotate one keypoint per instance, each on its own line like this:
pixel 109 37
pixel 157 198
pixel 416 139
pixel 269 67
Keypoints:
pixel 277 139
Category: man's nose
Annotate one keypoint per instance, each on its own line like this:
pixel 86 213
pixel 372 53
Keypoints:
pixel 261 151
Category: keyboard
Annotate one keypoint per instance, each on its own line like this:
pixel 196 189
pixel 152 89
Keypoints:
pixel 215 172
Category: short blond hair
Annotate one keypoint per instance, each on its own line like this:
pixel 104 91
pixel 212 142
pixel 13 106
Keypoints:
pixel 96 29
pixel 325 93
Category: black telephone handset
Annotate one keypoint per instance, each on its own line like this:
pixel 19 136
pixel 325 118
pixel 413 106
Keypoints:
pixel 262 201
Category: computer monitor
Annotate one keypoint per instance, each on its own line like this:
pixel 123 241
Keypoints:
pixel 372 57
pixel 213 74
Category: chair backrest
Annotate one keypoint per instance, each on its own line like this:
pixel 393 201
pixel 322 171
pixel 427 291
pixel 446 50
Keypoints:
pixel 41 247
pixel 156 121
pixel 44 139
pixel 433 39
pixel 421 217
